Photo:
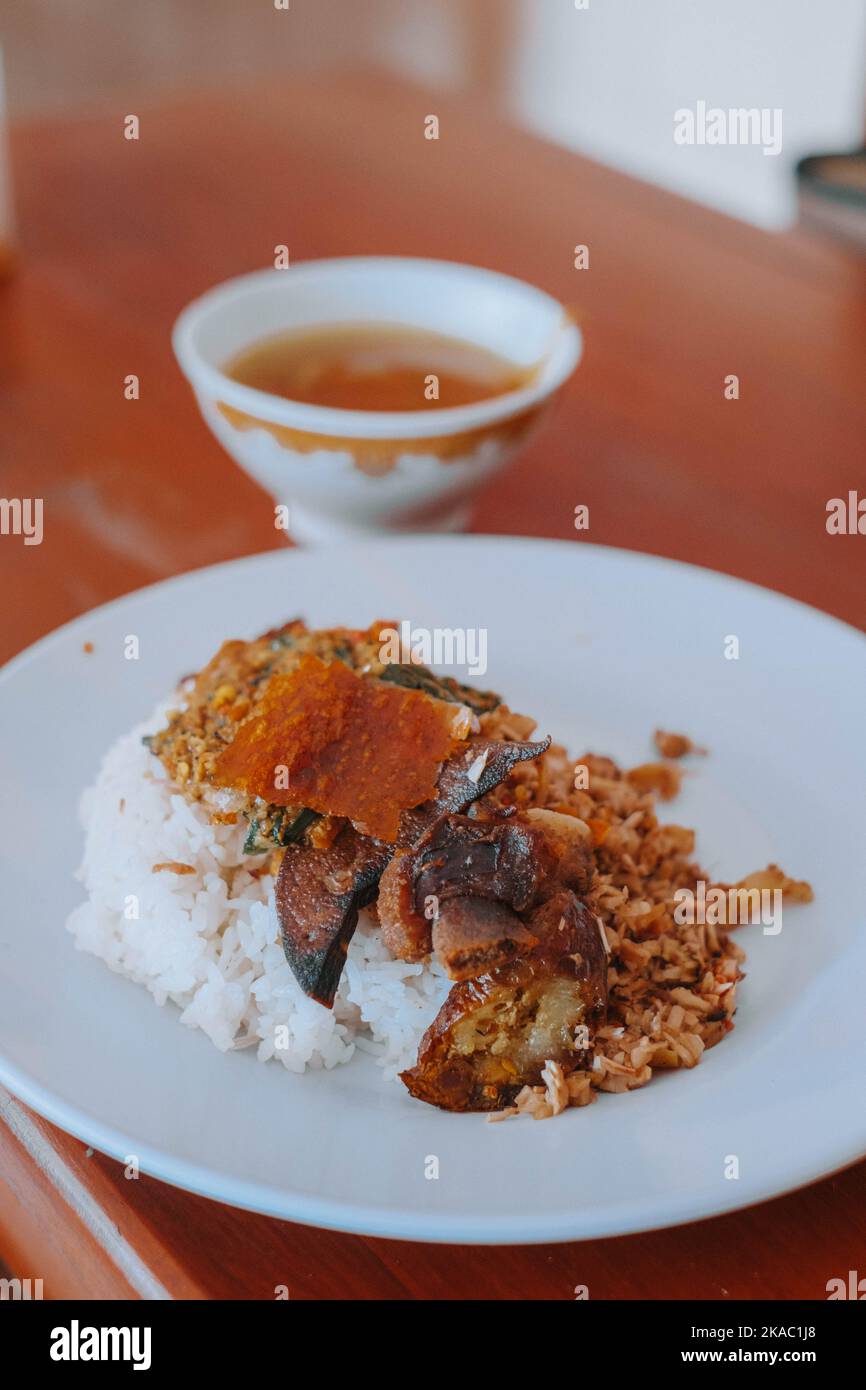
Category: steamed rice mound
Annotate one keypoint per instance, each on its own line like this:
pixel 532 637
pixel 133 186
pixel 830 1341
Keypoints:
pixel 208 940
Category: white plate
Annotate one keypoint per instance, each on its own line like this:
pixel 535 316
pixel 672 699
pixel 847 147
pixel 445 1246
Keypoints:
pixel 603 646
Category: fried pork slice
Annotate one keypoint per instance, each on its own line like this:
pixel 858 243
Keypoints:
pixel 327 738
pixel 474 935
pixel 518 861
pixel 569 842
pixel 319 894
pixel 495 1033
pixel 320 891
pixel 216 701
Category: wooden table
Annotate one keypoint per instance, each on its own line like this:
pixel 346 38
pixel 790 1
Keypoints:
pixel 116 236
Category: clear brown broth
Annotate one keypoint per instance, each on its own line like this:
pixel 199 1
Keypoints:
pixel 376 366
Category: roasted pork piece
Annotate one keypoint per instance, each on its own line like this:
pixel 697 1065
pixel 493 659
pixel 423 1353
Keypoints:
pixel 494 1033
pixel 473 935
pixel 517 861
pixel 321 890
pixel 319 893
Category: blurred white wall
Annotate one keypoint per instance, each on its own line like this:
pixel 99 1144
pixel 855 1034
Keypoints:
pixel 605 80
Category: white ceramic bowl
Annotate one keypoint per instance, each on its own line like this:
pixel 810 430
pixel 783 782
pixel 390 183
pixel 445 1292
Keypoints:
pixel 356 470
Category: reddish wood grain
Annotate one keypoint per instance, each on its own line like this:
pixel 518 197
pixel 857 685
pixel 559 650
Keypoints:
pixel 116 236
pixel 42 1238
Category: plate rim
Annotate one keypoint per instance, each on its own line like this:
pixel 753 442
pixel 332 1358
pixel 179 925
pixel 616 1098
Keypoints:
pixel 21 657
pixel 397 1223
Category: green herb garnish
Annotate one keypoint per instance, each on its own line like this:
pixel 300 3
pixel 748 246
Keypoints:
pixel 279 834
pixel 440 687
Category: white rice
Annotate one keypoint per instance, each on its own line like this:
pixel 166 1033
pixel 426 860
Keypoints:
pixel 209 941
